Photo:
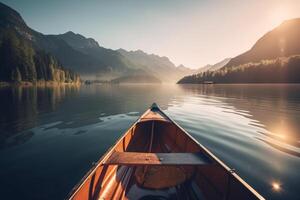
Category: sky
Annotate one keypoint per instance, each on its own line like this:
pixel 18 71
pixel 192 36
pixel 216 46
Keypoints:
pixel 189 32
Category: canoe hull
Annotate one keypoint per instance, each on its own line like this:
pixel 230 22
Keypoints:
pixel 145 163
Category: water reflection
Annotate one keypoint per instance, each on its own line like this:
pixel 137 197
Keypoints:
pixel 276 186
pixel 21 106
pixel 274 108
pixel 252 128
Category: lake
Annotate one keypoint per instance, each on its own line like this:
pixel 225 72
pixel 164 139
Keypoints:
pixel 50 137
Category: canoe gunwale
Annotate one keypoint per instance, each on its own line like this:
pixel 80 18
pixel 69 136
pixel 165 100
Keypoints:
pixel 231 172
pixel 102 159
pixel 110 150
pixel 216 161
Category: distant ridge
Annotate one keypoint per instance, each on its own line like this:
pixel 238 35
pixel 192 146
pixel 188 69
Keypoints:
pixel 274 58
pixel 282 41
pixel 214 67
pixel 158 66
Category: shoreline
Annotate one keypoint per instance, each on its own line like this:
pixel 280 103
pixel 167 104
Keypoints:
pixel 263 83
pixel 37 84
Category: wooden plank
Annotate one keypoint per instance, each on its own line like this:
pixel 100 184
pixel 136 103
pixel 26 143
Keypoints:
pixel 135 158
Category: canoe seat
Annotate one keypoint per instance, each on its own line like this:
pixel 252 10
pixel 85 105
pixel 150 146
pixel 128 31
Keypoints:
pixel 137 158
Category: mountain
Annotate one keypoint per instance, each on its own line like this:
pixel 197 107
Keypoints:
pixel 20 59
pixel 160 67
pixel 204 68
pixel 214 67
pixel 219 65
pixel 74 51
pixel 78 41
pixel 274 58
pixel 282 41
pixel 101 61
pixel 278 70
pixel 86 57
pixel 183 68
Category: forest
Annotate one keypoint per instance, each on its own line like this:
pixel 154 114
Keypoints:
pixel 279 70
pixel 20 61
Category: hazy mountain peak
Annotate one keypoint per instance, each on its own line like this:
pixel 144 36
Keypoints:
pixel 72 34
pixel 78 41
pixel 69 33
pixel 181 66
pixel 159 66
pixel 121 50
pixel 185 69
pixel 146 58
pixel 139 51
pixel 143 53
pixel 215 66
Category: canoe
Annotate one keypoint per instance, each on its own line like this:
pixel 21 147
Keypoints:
pixel 157 159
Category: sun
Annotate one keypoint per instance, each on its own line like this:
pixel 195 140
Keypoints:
pixel 279 13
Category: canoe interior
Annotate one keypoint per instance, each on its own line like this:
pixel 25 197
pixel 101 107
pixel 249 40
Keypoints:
pixel 128 176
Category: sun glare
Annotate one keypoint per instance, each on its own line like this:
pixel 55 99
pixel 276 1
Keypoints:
pixel 282 131
pixel 276 186
pixel 279 14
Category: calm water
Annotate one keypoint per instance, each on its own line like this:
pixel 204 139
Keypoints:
pixel 49 137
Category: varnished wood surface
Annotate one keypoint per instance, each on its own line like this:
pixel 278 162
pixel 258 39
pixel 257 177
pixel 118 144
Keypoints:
pixel 136 158
pixel 156 158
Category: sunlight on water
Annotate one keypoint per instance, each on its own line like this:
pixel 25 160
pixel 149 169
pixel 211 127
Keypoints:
pixel 54 135
pixel 276 186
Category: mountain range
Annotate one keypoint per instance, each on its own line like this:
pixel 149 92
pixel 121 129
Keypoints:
pixel 274 58
pixel 28 55
pixel 160 67
pixel 86 57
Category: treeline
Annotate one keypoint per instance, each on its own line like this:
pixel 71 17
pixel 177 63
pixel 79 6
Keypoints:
pixel 20 61
pixel 279 70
